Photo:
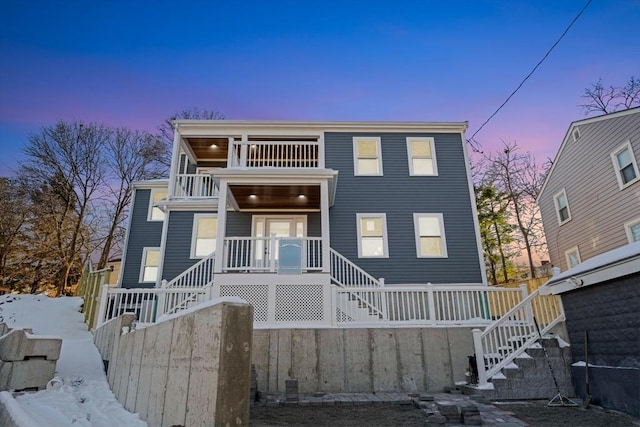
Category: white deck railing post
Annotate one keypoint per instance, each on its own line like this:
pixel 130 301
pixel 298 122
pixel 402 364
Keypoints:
pixel 477 346
pixel 527 310
pixel 333 305
pixel 383 300
pixel 272 253
pixel 102 307
pixel 431 302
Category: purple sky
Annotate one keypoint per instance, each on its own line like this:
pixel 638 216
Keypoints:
pixel 135 63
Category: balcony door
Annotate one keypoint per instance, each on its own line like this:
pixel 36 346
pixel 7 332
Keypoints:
pixel 268 229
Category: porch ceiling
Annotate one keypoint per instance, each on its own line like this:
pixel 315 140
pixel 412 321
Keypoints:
pixel 250 197
pixel 212 149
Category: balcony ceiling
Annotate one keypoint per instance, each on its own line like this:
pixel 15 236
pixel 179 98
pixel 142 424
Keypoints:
pixel 213 149
pixel 250 197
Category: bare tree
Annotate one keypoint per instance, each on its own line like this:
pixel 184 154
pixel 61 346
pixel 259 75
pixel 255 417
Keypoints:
pixel 601 99
pixel 68 157
pixel 520 178
pixel 129 156
pixel 12 220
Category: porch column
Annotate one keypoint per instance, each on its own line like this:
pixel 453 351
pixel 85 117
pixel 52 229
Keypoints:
pixel 222 226
pixel 175 161
pixel 324 219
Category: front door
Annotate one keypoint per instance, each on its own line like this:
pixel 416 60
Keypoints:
pixel 267 230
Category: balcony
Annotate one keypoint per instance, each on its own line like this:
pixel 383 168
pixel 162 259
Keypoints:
pixel 194 186
pixel 288 154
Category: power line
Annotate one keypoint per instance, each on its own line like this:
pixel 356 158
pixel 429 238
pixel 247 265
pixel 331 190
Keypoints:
pixel 471 140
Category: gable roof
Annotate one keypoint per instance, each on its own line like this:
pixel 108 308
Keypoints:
pixel 567 137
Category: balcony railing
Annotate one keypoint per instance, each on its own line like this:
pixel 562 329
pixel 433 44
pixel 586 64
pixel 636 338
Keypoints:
pixel 194 186
pixel 276 154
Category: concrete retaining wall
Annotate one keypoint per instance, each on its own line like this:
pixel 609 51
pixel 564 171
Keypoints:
pixel 190 370
pixel 361 360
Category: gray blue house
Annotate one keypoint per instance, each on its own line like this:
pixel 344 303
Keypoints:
pixel 306 205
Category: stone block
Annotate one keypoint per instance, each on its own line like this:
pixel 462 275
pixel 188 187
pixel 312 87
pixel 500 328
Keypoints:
pixel 436 419
pixel 26 374
pixel 18 345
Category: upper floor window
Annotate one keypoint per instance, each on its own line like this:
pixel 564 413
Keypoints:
pixel 624 163
pixel 150 265
pixel 155 213
pixel 430 238
pixel 562 207
pixel 573 257
pixel 632 228
pixel 203 237
pixel 422 156
pixel 367 156
pixel 372 236
pixel 576 134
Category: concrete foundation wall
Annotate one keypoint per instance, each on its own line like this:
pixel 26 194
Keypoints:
pixel 192 370
pixel 361 360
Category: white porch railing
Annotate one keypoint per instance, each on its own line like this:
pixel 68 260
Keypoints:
pixel 198 275
pixel 513 332
pixel 194 186
pixel 348 275
pixel 260 254
pixel 320 305
pixel 276 154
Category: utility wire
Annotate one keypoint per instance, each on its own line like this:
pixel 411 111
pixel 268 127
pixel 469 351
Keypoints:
pixel 471 140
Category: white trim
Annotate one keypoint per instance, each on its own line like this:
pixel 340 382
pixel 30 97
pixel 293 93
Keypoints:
pixel 569 252
pixel 416 230
pixel 385 244
pixel 294 218
pixel 145 250
pixel 356 156
pixel 126 236
pixel 616 166
pixel 163 248
pixel 152 204
pixel 627 229
pixel 194 233
pixel 432 146
pixel 568 135
pixel 557 207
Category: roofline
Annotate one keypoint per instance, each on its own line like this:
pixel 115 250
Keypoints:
pixel 241 125
pixel 570 132
pixel 151 183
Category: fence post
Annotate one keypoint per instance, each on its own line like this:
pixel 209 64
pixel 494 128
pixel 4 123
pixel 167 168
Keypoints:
pixel 162 299
pixel 383 300
pixel 431 302
pixel 102 308
pixel 477 346
pixel 527 308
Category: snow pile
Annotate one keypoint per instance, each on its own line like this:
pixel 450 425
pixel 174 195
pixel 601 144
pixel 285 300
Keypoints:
pixel 84 399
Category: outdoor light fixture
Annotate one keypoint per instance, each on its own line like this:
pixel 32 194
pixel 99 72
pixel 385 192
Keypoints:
pixel 302 196
pixel 213 146
pixel 253 196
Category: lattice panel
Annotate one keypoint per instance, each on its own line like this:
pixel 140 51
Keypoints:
pixel 301 303
pixel 256 295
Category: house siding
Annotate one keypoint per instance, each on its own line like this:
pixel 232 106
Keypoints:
pixel 142 233
pixel 598 207
pixel 399 196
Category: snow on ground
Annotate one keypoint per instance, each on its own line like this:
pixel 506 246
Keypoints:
pixel 84 399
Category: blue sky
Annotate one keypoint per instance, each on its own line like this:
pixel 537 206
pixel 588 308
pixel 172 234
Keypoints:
pixel 136 63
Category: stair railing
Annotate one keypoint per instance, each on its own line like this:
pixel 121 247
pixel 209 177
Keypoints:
pixel 508 337
pixel 198 275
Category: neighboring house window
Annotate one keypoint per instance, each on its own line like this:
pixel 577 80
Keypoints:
pixel 367 156
pixel 562 207
pixel 624 163
pixel 372 235
pixel 430 238
pixel 632 229
pixel 155 214
pixel 150 264
pixel 573 257
pixel 203 238
pixel 422 156
pixel 576 134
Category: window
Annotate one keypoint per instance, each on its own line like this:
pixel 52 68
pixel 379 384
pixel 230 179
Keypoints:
pixel 422 156
pixel 430 239
pixel 562 207
pixel 573 257
pixel 203 237
pixel 576 134
pixel 372 236
pixel 155 213
pixel 625 165
pixel 150 264
pixel 632 229
pixel 367 156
